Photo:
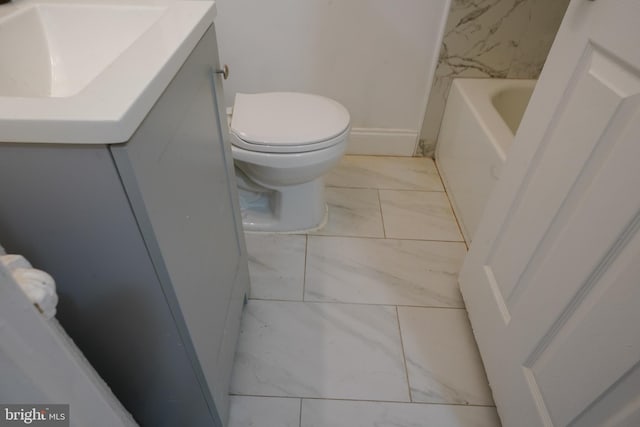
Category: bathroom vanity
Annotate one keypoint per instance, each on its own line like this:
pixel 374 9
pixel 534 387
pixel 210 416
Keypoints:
pixel 143 236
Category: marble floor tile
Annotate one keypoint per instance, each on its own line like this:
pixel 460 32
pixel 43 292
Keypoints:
pixel 395 173
pixel 418 215
pixel 321 350
pixel 341 413
pixel 276 265
pixel 383 271
pixel 443 362
pixel 353 212
pixel 250 411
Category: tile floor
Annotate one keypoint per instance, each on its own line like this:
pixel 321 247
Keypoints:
pixel 362 322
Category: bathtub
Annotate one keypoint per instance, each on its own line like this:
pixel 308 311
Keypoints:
pixel 480 120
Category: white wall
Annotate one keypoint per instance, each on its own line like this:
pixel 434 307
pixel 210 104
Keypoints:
pixel 377 57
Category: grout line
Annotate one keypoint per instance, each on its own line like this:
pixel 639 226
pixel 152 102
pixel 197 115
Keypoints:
pixel 455 216
pixel 404 357
pixel 402 402
pixel 349 235
pixel 266 396
pixel 360 303
pixel 387 188
pixel 304 273
pixel 365 237
pixel 300 414
pixel 413 190
pixel 385 238
pixel 384 229
pixel 383 156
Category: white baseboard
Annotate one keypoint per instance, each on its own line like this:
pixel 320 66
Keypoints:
pixel 382 142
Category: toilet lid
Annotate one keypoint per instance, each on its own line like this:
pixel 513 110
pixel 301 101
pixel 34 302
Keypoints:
pixel 287 118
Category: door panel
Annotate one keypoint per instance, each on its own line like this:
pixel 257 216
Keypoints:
pixel 620 407
pixel 591 328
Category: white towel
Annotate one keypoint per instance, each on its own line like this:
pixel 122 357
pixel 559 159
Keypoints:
pixel 13 262
pixel 38 285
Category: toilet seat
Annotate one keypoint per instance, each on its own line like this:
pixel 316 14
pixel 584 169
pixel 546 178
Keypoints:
pixel 286 149
pixel 287 122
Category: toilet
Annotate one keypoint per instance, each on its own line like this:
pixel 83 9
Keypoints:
pixel 283 143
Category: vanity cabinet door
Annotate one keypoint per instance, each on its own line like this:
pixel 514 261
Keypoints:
pixel 178 175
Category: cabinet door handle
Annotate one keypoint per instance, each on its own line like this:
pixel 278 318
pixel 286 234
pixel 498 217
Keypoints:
pixel 224 71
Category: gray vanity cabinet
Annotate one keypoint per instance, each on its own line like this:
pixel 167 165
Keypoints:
pixel 145 242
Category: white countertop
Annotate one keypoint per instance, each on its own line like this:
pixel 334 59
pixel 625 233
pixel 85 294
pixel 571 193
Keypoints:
pixel 113 104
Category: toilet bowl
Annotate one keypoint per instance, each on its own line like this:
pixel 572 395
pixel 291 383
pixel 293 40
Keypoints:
pixel 283 143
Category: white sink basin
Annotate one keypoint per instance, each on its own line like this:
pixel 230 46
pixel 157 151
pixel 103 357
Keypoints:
pixel 89 71
pixel 41 56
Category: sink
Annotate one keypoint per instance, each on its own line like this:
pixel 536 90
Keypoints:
pixel 57 49
pixel 89 71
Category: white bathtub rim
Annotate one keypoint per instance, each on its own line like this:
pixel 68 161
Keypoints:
pixel 478 94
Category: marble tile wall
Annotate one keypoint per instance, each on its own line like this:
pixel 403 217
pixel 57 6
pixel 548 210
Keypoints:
pixel 490 39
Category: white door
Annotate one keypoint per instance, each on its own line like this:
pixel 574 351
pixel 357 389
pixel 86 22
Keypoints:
pixel 552 279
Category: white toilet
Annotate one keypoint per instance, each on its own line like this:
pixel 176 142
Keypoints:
pixel 282 144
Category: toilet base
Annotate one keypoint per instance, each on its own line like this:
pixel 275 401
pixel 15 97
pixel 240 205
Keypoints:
pixel 288 209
